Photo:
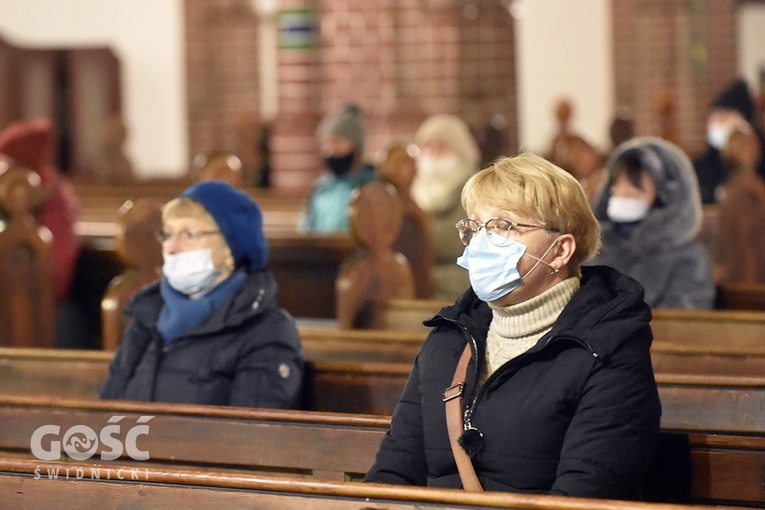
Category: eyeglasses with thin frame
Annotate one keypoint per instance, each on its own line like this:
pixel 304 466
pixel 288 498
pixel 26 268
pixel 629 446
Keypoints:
pixel 500 231
pixel 184 235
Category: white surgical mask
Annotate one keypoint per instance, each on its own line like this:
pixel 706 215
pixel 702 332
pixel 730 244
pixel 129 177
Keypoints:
pixel 626 210
pixel 717 136
pixel 439 167
pixel 438 182
pixel 493 270
pixel 190 272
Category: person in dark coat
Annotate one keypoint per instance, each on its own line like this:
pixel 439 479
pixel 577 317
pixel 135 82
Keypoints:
pixel 209 331
pixel 559 396
pixel 650 211
pixel 732 108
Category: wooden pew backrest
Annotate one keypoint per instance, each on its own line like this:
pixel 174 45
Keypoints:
pixel 690 401
pixel 141 253
pixel 376 271
pixel 27 309
pixel 720 329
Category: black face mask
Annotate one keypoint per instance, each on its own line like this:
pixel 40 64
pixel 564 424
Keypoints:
pixel 340 165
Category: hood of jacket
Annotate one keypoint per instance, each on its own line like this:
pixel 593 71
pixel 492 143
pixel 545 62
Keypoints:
pixel 258 292
pixel 607 310
pixel 676 218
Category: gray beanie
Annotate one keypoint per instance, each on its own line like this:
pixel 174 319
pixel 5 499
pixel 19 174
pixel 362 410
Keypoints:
pixel 346 123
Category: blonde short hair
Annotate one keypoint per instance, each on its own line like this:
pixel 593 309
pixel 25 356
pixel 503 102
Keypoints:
pixel 185 207
pixel 532 186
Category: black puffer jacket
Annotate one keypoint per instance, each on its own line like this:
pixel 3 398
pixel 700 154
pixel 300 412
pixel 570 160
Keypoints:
pixel 578 414
pixel 247 353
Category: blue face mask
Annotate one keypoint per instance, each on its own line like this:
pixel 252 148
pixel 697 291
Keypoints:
pixel 494 269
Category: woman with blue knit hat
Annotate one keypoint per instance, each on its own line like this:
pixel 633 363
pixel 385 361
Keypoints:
pixel 209 331
pixel 341 143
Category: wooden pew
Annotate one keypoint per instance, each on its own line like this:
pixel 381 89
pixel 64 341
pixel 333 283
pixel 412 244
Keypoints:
pixel 377 270
pixel 714 329
pixel 723 403
pixel 99 203
pixel 415 240
pixel 331 446
pixel 32 484
pixel 305 267
pixel 701 466
pixel 27 308
pixel 404 314
pixel 731 358
pixel 138 250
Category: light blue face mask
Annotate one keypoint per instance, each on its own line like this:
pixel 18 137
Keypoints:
pixel 494 269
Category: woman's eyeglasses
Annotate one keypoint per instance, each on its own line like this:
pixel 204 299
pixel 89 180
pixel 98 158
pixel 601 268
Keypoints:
pixel 500 232
pixel 184 235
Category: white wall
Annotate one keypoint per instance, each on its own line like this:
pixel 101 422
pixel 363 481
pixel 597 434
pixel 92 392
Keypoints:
pixel 751 42
pixel 563 50
pixel 147 36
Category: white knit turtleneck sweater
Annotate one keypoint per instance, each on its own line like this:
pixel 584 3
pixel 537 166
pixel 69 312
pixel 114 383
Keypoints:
pixel 515 329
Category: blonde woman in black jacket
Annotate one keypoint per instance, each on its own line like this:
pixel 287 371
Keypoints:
pixel 559 396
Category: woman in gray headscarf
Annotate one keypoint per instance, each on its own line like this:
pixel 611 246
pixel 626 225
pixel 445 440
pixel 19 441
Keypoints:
pixel 650 210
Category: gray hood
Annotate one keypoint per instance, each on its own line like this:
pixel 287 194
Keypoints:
pixel 676 218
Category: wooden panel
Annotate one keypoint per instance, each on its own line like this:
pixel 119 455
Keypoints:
pixel 93 96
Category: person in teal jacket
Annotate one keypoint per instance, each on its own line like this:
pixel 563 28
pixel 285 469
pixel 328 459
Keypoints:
pixel 341 139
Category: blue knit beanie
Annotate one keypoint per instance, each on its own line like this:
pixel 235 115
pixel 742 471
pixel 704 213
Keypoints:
pixel 238 217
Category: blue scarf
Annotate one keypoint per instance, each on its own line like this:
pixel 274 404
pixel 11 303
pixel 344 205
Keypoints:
pixel 181 313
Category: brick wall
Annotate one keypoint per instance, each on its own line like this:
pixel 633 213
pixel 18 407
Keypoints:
pixel 675 55
pixel 402 60
pixel 399 60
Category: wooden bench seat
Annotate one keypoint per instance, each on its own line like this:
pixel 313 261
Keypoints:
pixel 28 484
pixel 691 465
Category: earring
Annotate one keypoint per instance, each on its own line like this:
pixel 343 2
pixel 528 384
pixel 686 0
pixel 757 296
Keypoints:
pixel 555 270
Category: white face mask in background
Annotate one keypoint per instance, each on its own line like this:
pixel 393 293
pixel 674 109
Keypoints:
pixel 437 167
pixel 438 182
pixel 626 210
pixel 190 272
pixel 717 136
